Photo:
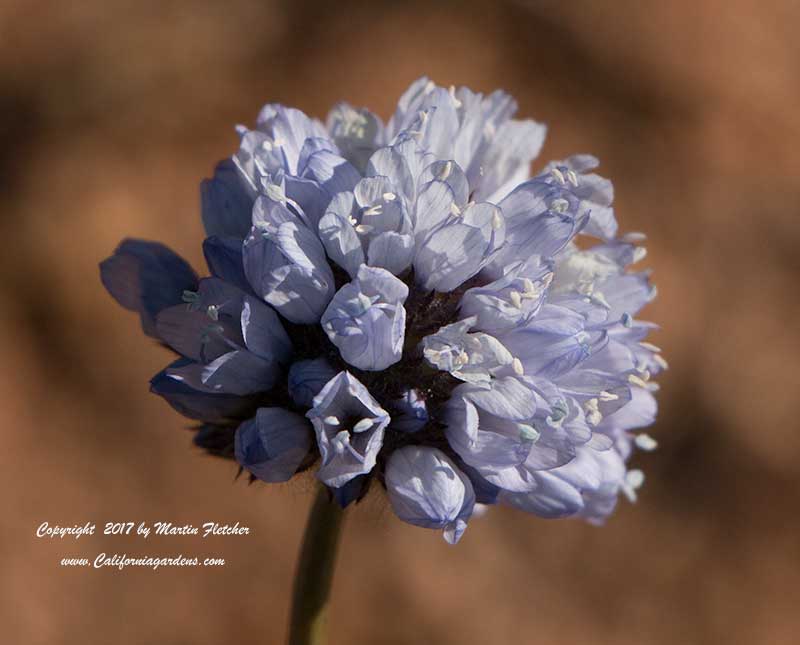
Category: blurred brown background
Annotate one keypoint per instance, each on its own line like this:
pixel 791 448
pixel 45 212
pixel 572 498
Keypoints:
pixel 112 111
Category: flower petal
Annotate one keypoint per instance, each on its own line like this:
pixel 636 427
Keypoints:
pixel 427 489
pixel 349 424
pixel 192 403
pixel 366 319
pixel 224 258
pixel 272 445
pixel 226 202
pixel 146 277
pixel 307 378
pixel 391 251
pixel 338 233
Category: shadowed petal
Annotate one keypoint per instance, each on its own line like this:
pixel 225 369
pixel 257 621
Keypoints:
pixel 146 277
pixel 272 445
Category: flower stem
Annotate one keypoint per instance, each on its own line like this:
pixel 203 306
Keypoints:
pixel 312 583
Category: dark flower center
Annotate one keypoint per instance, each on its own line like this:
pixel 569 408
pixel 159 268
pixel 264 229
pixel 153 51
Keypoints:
pixel 426 313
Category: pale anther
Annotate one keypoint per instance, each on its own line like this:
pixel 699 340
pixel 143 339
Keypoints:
pixel 363 425
pixel 645 442
pixel 573 178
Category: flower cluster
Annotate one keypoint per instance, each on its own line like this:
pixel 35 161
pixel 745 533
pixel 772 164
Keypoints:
pixel 401 304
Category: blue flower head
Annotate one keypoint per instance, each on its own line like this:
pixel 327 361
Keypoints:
pixel 402 302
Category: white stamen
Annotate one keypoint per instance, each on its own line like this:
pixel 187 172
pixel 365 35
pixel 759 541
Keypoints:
pixel 452 91
pixel 573 178
pixel 559 205
pixel 341 441
pixel 362 229
pixel 608 396
pixel 389 197
pixel 527 432
pixel 558 176
pixel 275 193
pixel 352 220
pixel 363 425
pixel 661 361
pixel 331 420
pixel 645 442
pixel 635 478
pixel 364 300
pixel 639 254
pixel 593 415
pixel 497 220
pixel 373 210
pixel 516 365
pixel 529 288
pixel 601 299
pixel 650 346
pixel 516 298
pixel 454 209
pixel 447 168
pixel 634 237
pixel 635 380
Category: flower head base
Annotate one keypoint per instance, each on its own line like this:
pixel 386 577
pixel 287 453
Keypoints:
pixel 402 303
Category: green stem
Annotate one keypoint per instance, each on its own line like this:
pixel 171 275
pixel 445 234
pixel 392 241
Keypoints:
pixel 312 584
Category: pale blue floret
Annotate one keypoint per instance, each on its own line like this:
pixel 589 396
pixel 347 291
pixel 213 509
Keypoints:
pixel 369 224
pixel 489 424
pixel 285 263
pixel 357 132
pixel 512 300
pixel 426 489
pixel 469 356
pixel 454 249
pixel 236 343
pixel 349 424
pixel 366 319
